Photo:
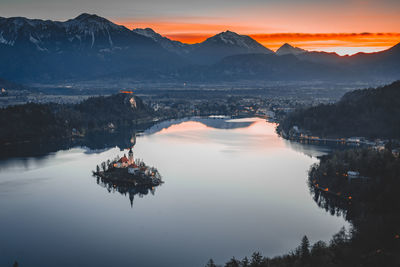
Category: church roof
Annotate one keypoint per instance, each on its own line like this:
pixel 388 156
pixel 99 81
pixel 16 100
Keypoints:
pixel 123 160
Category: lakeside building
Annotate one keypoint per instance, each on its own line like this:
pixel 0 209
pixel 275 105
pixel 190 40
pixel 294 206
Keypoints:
pixel 353 175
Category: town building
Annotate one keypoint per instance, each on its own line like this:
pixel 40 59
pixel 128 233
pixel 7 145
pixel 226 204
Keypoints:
pixel 353 175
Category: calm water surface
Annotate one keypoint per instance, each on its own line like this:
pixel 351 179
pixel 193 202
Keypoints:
pixel 232 187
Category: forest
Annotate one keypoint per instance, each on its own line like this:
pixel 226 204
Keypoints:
pixel 35 122
pixel 371 113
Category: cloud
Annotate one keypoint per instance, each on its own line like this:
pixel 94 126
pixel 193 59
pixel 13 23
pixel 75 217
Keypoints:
pixel 320 41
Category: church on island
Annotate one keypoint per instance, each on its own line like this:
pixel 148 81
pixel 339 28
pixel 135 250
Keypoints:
pixel 128 170
pixel 135 167
pixel 128 162
pixel 128 175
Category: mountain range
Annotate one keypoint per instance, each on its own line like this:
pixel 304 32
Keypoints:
pixel 91 47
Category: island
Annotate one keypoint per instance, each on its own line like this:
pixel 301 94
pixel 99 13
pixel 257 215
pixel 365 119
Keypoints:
pixel 128 175
pixel 129 171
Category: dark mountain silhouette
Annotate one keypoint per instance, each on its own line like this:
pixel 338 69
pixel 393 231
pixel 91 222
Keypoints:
pixel 170 45
pixel 289 49
pixel 384 63
pixel 84 47
pixel 211 50
pixel 330 58
pixel 226 44
pixel 250 67
pixel 90 47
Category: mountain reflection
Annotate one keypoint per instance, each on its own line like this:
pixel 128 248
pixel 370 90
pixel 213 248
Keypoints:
pixel 261 131
pixel 101 141
pixel 221 123
pixel 92 143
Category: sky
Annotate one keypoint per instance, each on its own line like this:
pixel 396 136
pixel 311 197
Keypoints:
pixel 342 26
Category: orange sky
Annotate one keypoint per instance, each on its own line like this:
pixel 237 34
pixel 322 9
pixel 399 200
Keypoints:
pixel 320 24
pixel 342 26
pixel 342 43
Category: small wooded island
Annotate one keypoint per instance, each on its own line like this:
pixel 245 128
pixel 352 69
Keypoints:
pixel 127 171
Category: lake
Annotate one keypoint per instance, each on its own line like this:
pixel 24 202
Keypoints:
pixel 232 187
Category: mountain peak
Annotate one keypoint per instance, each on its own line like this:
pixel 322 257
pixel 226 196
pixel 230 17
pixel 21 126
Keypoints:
pixel 82 16
pixel 230 34
pixel 85 16
pixel 287 45
pixel 92 22
pixel 289 49
pixel 232 39
pixel 148 32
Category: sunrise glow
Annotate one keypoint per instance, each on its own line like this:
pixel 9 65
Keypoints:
pixel 341 43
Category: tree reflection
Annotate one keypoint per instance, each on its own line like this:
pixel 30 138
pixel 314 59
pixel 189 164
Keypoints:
pixel 371 203
pixel 126 189
pixel 127 175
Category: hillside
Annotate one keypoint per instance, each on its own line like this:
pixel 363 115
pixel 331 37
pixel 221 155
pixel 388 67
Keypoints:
pixel 35 122
pixel 373 113
pixel 87 46
pixel 258 67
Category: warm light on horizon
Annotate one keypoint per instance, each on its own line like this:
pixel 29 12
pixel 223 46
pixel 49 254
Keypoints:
pixel 341 43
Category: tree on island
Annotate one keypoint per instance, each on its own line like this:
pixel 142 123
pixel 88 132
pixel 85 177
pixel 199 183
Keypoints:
pixel 256 259
pixel 245 262
pixel 304 250
pixel 211 263
pixel 103 166
pixel 233 263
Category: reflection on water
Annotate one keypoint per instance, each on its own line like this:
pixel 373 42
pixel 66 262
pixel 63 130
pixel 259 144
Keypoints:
pixel 232 187
pixel 335 205
pixel 126 189
pixel 218 123
pixel 311 150
pixel 128 175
